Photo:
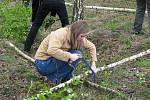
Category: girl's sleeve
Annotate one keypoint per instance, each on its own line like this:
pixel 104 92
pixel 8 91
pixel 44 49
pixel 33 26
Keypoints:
pixel 54 47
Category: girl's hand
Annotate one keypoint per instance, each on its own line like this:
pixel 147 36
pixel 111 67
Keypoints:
pixel 94 66
pixel 74 57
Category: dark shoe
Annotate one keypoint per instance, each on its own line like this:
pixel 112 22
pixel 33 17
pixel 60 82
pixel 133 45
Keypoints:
pixel 26 49
pixel 138 32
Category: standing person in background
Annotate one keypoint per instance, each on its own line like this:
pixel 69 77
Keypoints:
pixel 61 47
pixel 46 6
pixel 139 17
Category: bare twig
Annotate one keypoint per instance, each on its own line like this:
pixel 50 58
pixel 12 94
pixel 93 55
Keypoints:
pixel 30 88
pixel 124 60
pixel 20 52
pixel 102 87
pixel 105 88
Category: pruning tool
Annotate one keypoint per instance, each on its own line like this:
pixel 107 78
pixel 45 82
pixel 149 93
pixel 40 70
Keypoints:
pixel 86 64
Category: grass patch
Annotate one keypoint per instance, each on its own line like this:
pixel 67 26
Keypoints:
pixel 110 25
pixel 125 41
pixel 30 76
pixel 8 58
pixel 145 44
pixel 143 63
pixel 143 94
pixel 15 18
pixel 127 26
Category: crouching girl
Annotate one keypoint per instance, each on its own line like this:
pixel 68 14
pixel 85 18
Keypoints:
pixel 61 47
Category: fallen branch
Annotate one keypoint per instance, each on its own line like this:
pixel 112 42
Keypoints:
pixel 105 88
pixel 107 8
pixel 20 52
pixel 145 69
pixel 124 60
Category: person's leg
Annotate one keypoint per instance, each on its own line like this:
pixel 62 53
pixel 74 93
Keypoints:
pixel 40 16
pixel 63 15
pixel 46 67
pixel 73 65
pixel 35 6
pixel 139 17
pixel 148 10
pixel 64 70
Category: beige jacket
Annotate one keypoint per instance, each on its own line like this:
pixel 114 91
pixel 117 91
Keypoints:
pixel 57 44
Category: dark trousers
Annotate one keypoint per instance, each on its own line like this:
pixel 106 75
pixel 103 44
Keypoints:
pixel 35 6
pixel 43 10
pixel 140 12
pixel 56 70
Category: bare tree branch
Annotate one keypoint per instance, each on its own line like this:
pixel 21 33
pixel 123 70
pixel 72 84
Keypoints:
pixel 20 52
pixel 107 8
pixel 102 87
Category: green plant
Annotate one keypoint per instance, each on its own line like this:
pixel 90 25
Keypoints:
pixel 110 25
pixel 66 93
pixel 143 63
pixel 125 41
pixel 127 26
pixel 142 78
pixel 8 58
pixel 105 82
pixel 145 44
pixel 76 82
pixel 15 18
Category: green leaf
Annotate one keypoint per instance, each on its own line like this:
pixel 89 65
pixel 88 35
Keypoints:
pixel 69 90
pixel 76 81
pixel 41 97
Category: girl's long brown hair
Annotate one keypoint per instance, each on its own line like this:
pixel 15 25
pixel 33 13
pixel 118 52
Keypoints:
pixel 77 28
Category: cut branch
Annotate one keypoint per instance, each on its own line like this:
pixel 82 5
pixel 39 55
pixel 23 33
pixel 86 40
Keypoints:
pixel 105 88
pixel 20 52
pixel 124 60
pixel 107 8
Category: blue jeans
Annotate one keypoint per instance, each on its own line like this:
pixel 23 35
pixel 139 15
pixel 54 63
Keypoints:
pixel 56 70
